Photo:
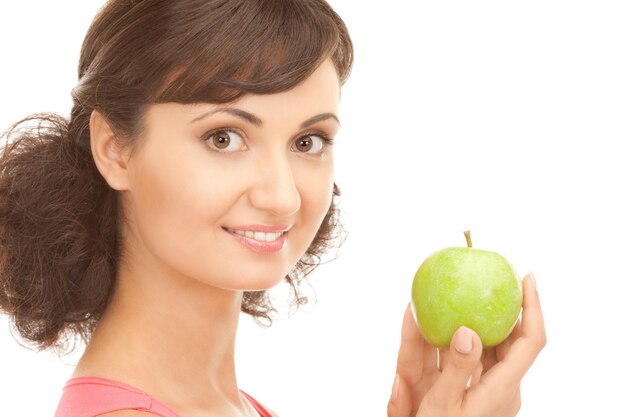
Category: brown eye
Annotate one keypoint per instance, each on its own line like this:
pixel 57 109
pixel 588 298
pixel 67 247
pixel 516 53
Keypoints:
pixel 304 144
pixel 221 140
pixel 310 144
pixel 224 141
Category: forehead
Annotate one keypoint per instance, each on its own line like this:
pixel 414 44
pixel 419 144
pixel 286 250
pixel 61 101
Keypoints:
pixel 317 94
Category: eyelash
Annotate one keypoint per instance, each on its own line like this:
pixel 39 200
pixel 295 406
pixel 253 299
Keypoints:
pixel 325 138
pixel 208 135
pixel 327 141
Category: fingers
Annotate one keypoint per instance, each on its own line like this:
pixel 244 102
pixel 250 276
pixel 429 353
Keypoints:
pixel 411 354
pixel 503 348
pixel 431 360
pixel 478 372
pixel 444 354
pixel 460 364
pixel 416 358
pixel 523 350
pixel 400 402
pixel 485 362
pixel 533 326
pixel 489 359
pixel 443 357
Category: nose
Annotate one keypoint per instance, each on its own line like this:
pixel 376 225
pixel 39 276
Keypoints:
pixel 275 189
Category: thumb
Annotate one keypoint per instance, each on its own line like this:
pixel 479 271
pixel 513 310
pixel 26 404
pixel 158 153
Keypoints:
pixel 463 358
pixel 400 402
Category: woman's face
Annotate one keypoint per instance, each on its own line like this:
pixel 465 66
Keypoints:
pixel 208 181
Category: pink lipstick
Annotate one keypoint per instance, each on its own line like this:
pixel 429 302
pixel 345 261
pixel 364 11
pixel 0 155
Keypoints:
pixel 260 238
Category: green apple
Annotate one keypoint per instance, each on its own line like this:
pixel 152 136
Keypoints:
pixel 468 287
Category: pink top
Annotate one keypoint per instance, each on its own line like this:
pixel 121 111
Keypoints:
pixel 92 396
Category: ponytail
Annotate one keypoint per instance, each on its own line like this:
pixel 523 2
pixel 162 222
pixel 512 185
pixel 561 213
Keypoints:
pixel 58 231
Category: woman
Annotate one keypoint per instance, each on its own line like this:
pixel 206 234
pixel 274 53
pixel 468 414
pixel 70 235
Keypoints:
pixel 195 172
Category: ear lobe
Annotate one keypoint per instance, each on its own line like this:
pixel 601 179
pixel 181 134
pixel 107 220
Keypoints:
pixel 107 153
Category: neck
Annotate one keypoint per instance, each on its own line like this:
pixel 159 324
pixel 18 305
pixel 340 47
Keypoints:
pixel 171 336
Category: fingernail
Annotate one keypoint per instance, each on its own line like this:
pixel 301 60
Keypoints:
pixel 532 279
pixel 463 341
pixel 396 387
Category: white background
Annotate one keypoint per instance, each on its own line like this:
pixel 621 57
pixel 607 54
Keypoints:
pixel 502 117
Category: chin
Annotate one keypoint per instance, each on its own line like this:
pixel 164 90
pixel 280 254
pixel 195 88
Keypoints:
pixel 261 284
pixel 258 278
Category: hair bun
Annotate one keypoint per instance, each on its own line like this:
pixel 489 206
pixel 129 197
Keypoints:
pixel 54 264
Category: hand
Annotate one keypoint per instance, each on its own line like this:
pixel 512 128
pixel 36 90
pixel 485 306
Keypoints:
pixel 466 381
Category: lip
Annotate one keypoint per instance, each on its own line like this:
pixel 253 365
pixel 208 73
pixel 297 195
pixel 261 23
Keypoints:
pixel 260 246
pixel 262 228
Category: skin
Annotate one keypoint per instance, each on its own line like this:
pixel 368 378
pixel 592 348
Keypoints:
pixel 171 325
pixel 466 381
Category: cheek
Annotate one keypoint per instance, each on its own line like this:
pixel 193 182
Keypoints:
pixel 166 196
pixel 176 214
pixel 316 191
pixel 173 201
pixel 178 185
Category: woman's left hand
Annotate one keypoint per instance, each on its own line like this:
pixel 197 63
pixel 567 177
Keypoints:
pixel 436 382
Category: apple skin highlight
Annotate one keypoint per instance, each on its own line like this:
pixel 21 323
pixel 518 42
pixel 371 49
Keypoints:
pixel 469 287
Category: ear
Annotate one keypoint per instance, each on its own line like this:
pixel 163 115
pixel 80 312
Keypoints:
pixel 107 154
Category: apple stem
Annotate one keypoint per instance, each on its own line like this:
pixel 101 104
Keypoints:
pixel 468 238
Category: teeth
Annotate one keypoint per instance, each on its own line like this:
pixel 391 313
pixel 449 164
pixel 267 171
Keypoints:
pixel 261 236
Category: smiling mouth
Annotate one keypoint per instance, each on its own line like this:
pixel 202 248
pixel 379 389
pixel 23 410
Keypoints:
pixel 260 236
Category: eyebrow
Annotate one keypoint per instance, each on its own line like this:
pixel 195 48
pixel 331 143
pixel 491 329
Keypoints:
pixel 251 118
pixel 319 118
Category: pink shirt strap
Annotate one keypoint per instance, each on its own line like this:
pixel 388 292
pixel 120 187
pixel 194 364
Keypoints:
pixel 258 407
pixel 92 396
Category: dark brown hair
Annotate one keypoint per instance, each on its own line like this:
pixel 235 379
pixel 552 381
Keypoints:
pixel 60 221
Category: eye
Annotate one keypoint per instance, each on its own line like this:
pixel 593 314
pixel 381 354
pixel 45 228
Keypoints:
pixel 311 144
pixel 224 140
